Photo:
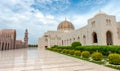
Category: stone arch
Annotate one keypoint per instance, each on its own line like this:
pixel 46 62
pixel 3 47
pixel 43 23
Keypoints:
pixel 8 46
pixel 78 38
pixel 84 39
pixel 70 41
pixel 74 39
pixel 67 41
pixel 3 46
pixel 95 38
pixel 62 43
pixel 0 44
pixel 109 39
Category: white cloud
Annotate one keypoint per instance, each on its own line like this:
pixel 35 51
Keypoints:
pixel 113 9
pixel 35 22
pixel 20 15
pixel 39 15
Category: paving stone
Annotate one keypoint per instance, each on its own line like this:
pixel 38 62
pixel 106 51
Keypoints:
pixel 33 59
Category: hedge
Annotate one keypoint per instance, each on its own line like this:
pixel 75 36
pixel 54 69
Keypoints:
pixel 105 50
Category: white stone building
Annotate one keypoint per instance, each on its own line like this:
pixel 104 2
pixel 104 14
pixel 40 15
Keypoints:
pixel 102 29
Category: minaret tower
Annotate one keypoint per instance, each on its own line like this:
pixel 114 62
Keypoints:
pixel 26 39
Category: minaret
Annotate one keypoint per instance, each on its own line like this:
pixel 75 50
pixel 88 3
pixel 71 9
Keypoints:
pixel 26 39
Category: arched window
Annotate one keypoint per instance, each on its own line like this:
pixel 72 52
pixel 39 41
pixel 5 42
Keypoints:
pixel 84 40
pixel 108 21
pixel 109 40
pixel 8 46
pixel 5 46
pixel 78 38
pixel 70 41
pixel 95 40
pixel 62 42
pixel 2 45
pixel 73 38
pixel 67 41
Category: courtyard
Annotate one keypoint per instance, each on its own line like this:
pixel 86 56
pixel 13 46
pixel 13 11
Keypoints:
pixel 34 59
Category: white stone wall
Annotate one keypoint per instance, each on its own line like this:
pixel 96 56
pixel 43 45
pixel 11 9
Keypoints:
pixel 100 24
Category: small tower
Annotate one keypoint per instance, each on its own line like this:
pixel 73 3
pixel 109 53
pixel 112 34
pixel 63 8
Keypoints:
pixel 26 39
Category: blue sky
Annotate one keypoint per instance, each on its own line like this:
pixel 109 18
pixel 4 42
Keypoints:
pixel 38 16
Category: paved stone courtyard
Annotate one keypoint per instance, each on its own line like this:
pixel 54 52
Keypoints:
pixel 33 59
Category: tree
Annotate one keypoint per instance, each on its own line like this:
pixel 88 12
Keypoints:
pixel 75 44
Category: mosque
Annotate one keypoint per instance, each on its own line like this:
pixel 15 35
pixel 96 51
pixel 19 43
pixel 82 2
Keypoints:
pixel 102 29
pixel 8 40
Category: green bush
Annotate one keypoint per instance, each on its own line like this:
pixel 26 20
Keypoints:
pixel 67 51
pixel 62 47
pixel 48 48
pixel 71 52
pixel 59 50
pixel 105 50
pixel 114 59
pixel 54 46
pixel 64 50
pixel 97 56
pixel 85 54
pixel 54 49
pixel 77 53
pixel 75 44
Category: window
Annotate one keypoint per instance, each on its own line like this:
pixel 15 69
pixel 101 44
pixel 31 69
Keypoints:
pixel 93 23
pixel 73 38
pixel 62 42
pixel 109 40
pixel 84 39
pixel 108 21
pixel 94 35
pixel 118 32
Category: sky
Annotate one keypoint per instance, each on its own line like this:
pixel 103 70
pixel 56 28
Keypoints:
pixel 39 16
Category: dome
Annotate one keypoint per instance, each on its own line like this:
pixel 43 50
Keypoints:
pixel 65 25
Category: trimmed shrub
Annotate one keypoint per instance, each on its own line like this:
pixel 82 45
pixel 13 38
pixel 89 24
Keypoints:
pixel 48 49
pixel 62 47
pixel 54 49
pixel 59 50
pixel 64 50
pixel 71 52
pixel 114 59
pixel 85 54
pixel 54 46
pixel 77 53
pixel 97 56
pixel 67 51
pixel 75 44
pixel 105 50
